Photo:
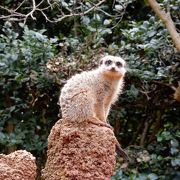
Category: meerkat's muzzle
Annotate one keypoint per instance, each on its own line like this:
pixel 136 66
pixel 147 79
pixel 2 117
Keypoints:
pixel 113 69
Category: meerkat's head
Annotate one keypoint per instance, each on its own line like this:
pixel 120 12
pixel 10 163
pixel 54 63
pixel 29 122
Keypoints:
pixel 113 66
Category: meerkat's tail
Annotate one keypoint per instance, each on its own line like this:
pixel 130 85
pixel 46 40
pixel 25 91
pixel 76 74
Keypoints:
pixel 121 152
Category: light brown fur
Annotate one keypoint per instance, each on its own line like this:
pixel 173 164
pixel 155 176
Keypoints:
pixel 89 95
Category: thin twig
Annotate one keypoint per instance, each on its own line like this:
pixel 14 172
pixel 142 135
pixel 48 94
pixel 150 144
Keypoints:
pixel 31 12
pixel 124 10
pixel 19 6
pixel 74 14
pixel 36 7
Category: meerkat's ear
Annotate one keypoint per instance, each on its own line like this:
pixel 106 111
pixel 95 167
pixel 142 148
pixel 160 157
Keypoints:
pixel 101 61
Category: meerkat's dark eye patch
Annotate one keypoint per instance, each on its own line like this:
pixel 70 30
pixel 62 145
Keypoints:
pixel 119 64
pixel 108 62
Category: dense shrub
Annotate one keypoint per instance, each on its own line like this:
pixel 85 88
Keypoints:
pixel 162 161
pixel 27 91
pixel 33 67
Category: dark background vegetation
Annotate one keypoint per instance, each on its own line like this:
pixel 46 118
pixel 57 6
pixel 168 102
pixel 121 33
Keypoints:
pixel 38 56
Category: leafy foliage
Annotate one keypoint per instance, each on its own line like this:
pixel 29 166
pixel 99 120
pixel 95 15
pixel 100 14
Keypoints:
pixel 34 64
pixel 162 163
pixel 25 88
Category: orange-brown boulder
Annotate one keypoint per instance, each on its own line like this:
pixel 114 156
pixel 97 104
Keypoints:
pixel 19 165
pixel 79 152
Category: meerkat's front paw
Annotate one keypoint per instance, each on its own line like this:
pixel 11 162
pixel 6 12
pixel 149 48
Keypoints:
pixel 109 126
pixel 98 122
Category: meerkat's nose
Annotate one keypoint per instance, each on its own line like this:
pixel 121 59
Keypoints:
pixel 113 69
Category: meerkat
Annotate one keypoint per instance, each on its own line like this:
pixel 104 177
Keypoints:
pixel 88 96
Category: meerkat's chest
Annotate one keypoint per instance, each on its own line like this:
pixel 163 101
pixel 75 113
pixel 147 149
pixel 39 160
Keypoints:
pixel 105 90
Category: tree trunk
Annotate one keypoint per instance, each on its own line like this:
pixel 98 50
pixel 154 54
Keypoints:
pixel 167 20
pixel 80 151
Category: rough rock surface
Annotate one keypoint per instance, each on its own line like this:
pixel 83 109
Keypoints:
pixel 19 165
pixel 79 152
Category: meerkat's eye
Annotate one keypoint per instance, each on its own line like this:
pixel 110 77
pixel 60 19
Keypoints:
pixel 108 62
pixel 119 64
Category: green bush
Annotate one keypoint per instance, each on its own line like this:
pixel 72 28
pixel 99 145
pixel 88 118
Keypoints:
pixel 146 117
pixel 27 91
pixel 162 161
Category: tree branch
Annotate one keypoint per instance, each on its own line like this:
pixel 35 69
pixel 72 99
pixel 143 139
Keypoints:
pixel 167 20
pixel 36 7
pixel 82 13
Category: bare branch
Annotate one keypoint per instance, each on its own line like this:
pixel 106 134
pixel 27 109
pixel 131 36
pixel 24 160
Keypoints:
pixel 47 19
pixel 13 13
pixel 19 6
pixel 31 12
pixel 74 14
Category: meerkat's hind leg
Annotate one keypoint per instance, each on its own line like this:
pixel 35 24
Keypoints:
pixel 107 109
pixel 99 111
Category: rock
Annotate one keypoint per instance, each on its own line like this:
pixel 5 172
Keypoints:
pixel 19 165
pixel 79 151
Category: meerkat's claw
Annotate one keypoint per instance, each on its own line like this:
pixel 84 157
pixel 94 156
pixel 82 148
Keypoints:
pixel 109 126
pixel 100 123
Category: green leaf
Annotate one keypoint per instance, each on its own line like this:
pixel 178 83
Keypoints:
pixel 85 20
pixel 119 7
pixel 175 162
pixel 152 176
pixel 107 22
pixel 97 17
